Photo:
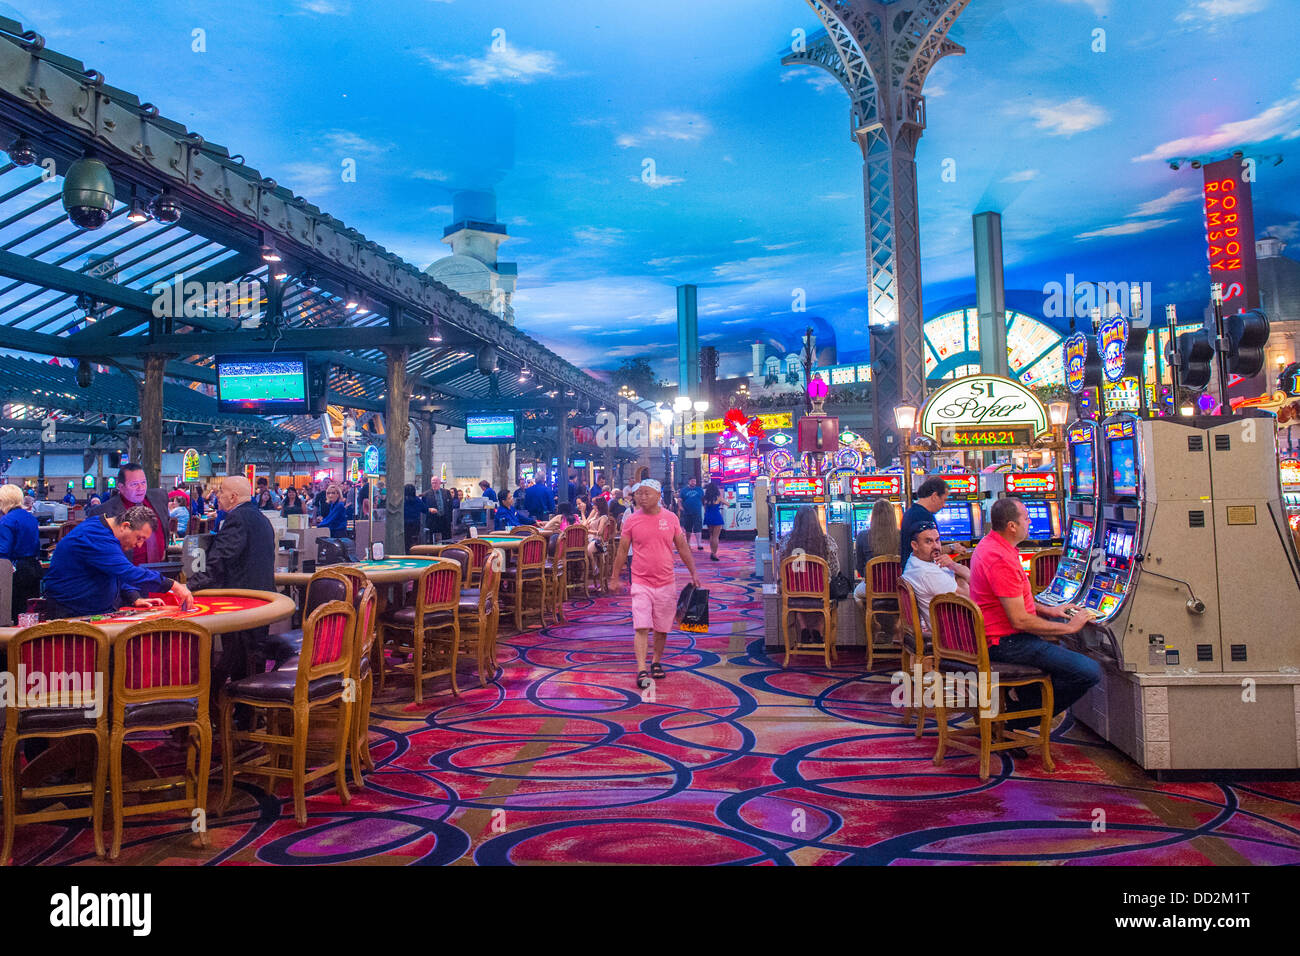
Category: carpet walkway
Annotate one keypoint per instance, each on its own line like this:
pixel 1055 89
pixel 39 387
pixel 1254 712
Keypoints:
pixel 734 761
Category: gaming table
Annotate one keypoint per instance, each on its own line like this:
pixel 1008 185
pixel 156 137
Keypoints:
pixel 219 610
pixel 391 570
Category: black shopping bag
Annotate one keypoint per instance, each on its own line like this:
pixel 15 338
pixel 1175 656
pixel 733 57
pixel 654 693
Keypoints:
pixel 695 616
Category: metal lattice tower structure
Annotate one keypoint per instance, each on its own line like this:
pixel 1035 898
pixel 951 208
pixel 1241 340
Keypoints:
pixel 881 51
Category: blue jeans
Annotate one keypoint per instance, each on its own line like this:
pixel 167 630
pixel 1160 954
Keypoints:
pixel 1072 674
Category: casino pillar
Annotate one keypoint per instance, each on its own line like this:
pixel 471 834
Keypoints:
pixel 397 428
pixel 151 402
pixel 426 454
pixel 232 452
pixel 562 455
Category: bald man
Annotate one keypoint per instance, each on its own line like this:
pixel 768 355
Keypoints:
pixel 242 555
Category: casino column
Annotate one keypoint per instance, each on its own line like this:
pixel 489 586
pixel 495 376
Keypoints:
pixel 151 410
pixel 397 428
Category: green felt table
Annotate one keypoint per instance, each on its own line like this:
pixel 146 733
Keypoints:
pixel 393 570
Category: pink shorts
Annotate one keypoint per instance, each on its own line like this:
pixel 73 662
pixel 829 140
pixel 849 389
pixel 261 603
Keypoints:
pixel 653 608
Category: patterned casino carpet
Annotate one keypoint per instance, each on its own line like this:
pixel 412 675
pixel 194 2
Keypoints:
pixel 735 761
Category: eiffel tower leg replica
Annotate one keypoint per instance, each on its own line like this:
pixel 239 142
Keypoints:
pixel 881 51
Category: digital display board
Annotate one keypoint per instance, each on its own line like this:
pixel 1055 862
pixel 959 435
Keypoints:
pixel 955 522
pixel 985 437
pixel 961 484
pixel 1123 467
pixel 876 486
pixel 800 487
pixel 1040 485
pixel 262 384
pixel 491 429
pixel 1083 470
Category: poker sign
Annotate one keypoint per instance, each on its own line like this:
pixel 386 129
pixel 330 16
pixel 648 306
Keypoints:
pixel 1112 339
pixel 1075 359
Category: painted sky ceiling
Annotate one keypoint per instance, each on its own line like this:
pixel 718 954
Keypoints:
pixel 756 189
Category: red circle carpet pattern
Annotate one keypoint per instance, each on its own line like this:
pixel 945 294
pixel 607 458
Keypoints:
pixel 734 761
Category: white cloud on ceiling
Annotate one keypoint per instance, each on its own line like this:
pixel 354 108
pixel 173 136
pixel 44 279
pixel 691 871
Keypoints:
pixel 1282 119
pixel 1168 201
pixel 503 63
pixel 1069 117
pixel 1126 229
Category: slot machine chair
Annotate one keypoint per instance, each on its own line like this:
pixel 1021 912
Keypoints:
pixel 805 589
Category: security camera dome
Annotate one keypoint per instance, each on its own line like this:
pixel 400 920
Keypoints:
pixel 88 193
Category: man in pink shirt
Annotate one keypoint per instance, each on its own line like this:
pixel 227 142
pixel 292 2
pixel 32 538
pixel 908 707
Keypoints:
pixel 1019 630
pixel 652 532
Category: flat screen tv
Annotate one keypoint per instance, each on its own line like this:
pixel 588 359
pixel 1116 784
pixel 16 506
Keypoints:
pixel 263 384
pixel 491 429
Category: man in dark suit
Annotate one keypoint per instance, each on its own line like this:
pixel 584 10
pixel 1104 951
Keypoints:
pixel 242 555
pixel 133 489
pixel 438 507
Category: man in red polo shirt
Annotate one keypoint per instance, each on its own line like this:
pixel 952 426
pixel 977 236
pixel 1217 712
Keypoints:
pixel 1016 625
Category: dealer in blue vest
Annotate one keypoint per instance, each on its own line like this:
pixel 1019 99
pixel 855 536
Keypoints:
pixel 90 572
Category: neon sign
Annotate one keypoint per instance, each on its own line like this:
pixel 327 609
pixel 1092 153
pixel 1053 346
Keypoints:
pixel 1044 484
pixel 1230 234
pixel 1075 357
pixel 982 403
pixel 1112 339
pixel 876 486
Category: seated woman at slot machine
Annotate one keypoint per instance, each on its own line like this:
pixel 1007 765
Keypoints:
pixel 807 536
pixel 879 540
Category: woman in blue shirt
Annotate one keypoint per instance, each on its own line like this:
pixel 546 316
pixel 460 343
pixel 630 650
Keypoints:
pixel 20 542
pixel 336 515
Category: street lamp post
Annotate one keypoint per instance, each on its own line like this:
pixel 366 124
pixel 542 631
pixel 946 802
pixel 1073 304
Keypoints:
pixel 905 421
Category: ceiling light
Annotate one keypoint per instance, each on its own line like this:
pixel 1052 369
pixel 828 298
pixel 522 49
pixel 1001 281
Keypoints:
pixel 139 212
pixel 22 152
pixel 166 208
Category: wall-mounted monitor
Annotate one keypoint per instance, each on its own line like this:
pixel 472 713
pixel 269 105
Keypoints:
pixel 491 428
pixel 271 384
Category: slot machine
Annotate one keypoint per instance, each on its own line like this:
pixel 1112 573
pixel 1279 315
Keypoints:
pixel 863 493
pixel 1081 516
pixel 1121 512
pixel 735 473
pixel 788 496
pixel 1289 472
pixel 960 520
pixel 1042 499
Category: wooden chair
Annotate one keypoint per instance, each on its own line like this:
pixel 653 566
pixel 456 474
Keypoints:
pixel 557 575
pixel 328 584
pixel 961 649
pixel 1042 568
pixel 162 673
pixel 881 579
pixel 430 624
pixel 479 551
pixel 461 555
pixel 915 647
pixel 319 681
pixel 528 578
pixel 805 589
pixel 480 615
pixel 573 542
pixel 363 676
pixel 55 650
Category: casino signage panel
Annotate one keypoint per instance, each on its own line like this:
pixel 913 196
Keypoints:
pixel 983 411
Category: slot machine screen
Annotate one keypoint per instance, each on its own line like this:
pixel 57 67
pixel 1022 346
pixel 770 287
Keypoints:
pixel 784 520
pixel 1040 520
pixel 1083 473
pixel 861 518
pixel 1119 547
pixel 955 523
pixel 1079 540
pixel 1123 467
